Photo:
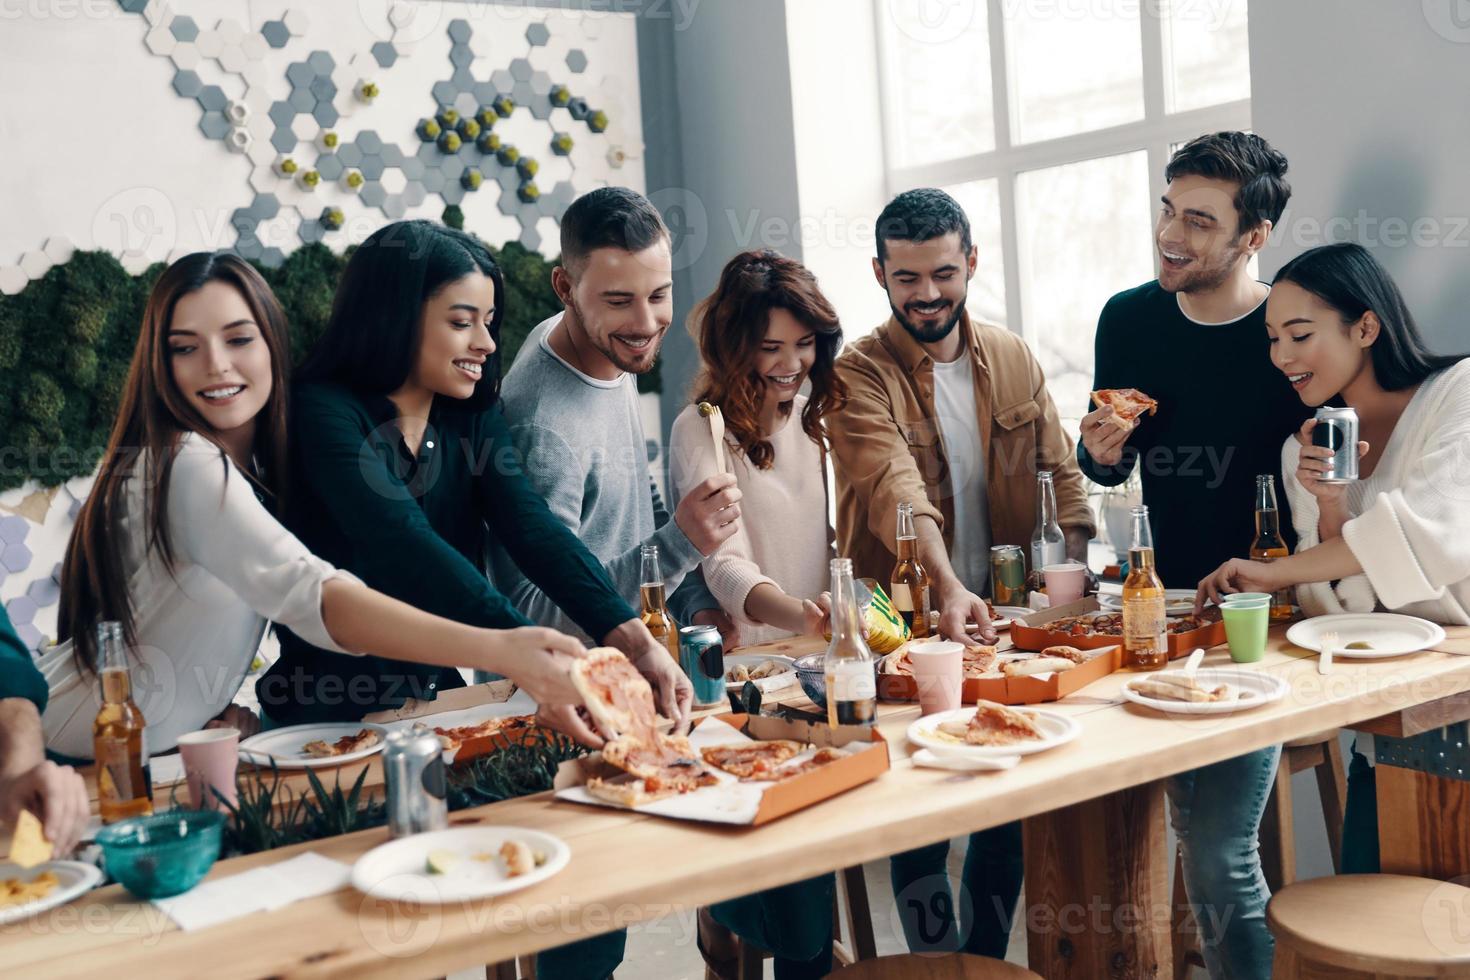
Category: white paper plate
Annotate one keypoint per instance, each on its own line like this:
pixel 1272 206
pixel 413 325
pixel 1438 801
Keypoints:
pixel 1391 634
pixel 1253 688
pixel 398 870
pixel 74 878
pixel 1177 602
pixel 1006 615
pixel 283 745
pixel 1056 729
pixel 766 684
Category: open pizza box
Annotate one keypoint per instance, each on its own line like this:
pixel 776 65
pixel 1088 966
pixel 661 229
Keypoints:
pixel 1030 689
pixel 749 803
pixel 465 708
pixel 1032 632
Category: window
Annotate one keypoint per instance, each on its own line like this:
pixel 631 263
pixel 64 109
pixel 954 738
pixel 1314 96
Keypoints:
pixel 1050 121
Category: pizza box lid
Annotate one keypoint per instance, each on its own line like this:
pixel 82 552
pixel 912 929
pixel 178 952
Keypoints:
pixel 492 692
pixel 760 803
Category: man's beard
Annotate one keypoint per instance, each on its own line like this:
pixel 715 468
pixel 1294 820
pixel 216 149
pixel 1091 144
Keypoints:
pixel 1204 279
pixel 934 334
pixel 614 352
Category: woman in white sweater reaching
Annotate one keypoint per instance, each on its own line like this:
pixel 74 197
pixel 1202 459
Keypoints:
pixel 763 332
pixel 1399 537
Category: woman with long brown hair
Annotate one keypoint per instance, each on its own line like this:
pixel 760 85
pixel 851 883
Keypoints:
pixel 764 332
pixel 178 543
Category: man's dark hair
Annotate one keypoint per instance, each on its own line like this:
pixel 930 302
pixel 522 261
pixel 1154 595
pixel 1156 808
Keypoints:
pixel 1246 159
pixel 609 217
pixel 919 215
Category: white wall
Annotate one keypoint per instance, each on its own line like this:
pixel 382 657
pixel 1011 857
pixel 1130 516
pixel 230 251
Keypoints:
pixel 1368 101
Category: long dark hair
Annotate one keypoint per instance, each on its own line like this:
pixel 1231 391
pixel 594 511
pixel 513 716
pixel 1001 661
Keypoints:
pixel 152 416
pixel 1347 278
pixel 372 339
pixel 729 325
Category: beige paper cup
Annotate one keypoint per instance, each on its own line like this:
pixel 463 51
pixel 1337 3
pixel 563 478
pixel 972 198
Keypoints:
pixel 211 758
pixel 939 673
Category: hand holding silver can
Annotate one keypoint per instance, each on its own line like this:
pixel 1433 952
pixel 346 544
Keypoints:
pixel 1337 430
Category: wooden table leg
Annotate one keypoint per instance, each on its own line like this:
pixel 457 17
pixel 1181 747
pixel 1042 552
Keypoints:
pixel 1423 823
pixel 1097 888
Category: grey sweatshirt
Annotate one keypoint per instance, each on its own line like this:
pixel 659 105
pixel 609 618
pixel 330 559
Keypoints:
pixel 581 440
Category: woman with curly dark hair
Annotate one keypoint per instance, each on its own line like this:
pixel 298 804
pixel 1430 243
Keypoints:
pixel 764 332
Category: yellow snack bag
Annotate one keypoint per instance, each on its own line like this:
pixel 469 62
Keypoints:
pixel 883 628
pixel 28 845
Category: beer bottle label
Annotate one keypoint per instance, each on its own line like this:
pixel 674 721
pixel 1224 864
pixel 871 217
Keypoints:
pixel 903 599
pixel 114 770
pixel 1144 624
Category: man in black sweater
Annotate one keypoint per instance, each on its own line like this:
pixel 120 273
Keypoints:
pixel 1195 340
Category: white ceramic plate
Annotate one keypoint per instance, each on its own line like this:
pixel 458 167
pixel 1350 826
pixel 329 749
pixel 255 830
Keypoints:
pixel 74 878
pixel 1006 615
pixel 1177 602
pixel 765 684
pixel 398 870
pixel 1056 729
pixel 1251 688
pixel 1391 634
pixel 283 745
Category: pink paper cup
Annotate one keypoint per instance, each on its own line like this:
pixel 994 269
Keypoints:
pixel 211 758
pixel 1064 583
pixel 939 673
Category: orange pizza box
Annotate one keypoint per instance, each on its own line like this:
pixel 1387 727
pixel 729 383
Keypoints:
pixel 753 803
pixel 1033 689
pixel 1031 633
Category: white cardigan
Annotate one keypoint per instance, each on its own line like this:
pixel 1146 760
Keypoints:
pixel 1410 528
pixel 198 627
pixel 783 516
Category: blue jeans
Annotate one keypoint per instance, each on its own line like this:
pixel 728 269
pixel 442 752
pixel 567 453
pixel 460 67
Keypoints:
pixel 793 922
pixel 1217 813
pixel 990 886
pixel 594 958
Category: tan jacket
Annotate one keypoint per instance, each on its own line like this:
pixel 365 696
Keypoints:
pixel 886 444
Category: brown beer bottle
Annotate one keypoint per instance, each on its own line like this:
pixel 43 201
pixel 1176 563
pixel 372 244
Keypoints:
pixel 1145 626
pixel 119 742
pixel 655 614
pixel 909 581
pixel 1269 545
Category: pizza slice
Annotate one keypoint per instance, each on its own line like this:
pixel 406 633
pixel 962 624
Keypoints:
pixel 753 761
pixel 994 724
pixel 346 745
pixel 616 695
pixel 633 791
pixel 819 759
pixel 1128 405
pixel 633 756
pixel 511 728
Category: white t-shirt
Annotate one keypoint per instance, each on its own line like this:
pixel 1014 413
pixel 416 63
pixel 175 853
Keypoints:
pixel 954 409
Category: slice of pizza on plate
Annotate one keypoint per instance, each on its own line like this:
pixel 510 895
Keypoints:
pixel 1128 405
pixel 346 745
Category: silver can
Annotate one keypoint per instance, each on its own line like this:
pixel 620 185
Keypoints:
pixel 413 767
pixel 1337 430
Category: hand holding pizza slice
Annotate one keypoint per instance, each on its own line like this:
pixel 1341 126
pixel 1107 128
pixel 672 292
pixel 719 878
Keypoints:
pixel 1128 405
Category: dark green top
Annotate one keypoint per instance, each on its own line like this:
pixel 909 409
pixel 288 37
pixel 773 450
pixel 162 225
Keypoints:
pixel 417 528
pixel 19 677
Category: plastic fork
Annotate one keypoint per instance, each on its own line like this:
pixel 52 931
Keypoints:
pixel 1327 643
pixel 716 431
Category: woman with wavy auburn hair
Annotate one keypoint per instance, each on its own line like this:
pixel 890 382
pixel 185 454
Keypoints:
pixel 763 332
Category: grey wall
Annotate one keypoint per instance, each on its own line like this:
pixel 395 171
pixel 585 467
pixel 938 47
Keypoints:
pixel 721 155
pixel 1368 99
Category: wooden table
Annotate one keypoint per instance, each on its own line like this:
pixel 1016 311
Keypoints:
pixel 1100 846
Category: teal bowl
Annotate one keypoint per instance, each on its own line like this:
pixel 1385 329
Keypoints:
pixel 162 855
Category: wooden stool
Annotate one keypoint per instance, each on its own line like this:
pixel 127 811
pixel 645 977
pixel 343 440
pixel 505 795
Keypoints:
pixel 851 916
pixel 918 966
pixel 1370 927
pixel 1320 752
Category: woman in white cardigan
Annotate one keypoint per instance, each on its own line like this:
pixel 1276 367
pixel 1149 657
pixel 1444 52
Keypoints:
pixel 177 542
pixel 1397 538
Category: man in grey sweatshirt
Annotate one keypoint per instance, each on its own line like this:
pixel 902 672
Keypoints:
pixel 572 402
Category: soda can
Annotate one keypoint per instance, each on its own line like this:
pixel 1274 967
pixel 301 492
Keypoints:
pixel 413 767
pixel 1008 575
pixel 1337 430
pixel 702 656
